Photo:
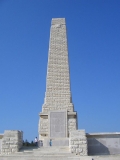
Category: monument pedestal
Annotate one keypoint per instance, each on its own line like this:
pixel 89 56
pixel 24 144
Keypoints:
pixel 57 124
pixel 56 142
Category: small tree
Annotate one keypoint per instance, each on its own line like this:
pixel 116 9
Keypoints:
pixel 32 144
pixel 26 143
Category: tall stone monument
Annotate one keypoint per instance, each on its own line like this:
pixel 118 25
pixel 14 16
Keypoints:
pixel 57 118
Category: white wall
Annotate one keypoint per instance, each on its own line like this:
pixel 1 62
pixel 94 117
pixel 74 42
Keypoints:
pixel 101 144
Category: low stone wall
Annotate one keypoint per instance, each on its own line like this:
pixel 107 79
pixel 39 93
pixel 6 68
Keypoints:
pixel 78 142
pixel 11 142
pixel 103 143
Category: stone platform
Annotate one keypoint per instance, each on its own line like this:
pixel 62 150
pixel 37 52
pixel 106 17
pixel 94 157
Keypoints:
pixel 45 153
pixel 53 153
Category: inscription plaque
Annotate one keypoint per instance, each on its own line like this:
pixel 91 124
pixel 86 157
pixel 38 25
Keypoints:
pixel 57 124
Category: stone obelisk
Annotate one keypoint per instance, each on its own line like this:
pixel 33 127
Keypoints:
pixel 57 118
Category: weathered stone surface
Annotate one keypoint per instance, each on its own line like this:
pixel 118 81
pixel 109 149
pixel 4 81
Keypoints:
pixel 78 142
pixel 11 142
pixel 43 125
pixel 58 94
pixel 72 121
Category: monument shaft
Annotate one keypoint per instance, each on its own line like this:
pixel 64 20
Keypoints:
pixel 58 94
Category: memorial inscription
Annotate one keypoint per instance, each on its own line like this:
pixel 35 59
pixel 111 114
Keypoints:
pixel 57 124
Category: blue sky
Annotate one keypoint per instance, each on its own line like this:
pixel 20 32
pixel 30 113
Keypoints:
pixel 93 30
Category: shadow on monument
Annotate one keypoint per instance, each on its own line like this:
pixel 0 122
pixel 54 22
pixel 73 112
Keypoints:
pixel 95 147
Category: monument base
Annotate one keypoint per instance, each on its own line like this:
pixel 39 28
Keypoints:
pixel 56 142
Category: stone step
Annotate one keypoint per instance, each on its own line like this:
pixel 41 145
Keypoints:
pixel 11 157
pixel 105 157
pixel 52 150
pixel 44 153
pixel 47 149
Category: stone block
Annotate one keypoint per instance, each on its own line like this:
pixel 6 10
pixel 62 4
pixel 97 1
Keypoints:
pixel 78 142
pixel 12 141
